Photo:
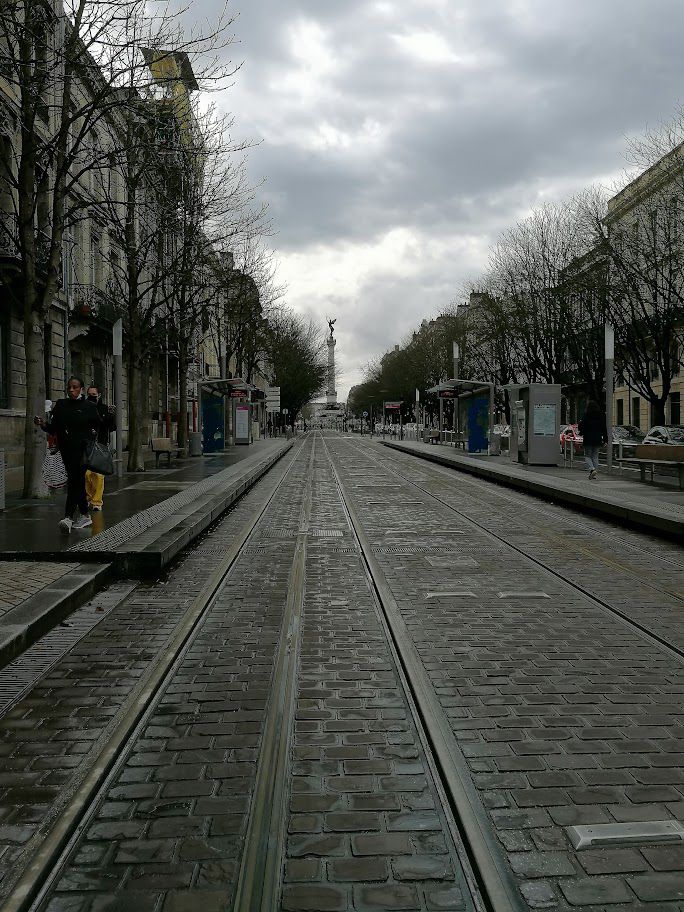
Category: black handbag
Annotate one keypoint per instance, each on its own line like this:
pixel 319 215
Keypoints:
pixel 98 458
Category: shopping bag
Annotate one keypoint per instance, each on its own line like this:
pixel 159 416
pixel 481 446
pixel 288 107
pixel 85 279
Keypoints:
pixel 98 458
pixel 54 471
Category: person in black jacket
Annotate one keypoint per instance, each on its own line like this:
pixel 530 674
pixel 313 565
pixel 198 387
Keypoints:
pixel 592 427
pixel 94 481
pixel 75 422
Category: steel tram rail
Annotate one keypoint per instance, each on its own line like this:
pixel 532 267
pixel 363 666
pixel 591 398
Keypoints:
pixel 472 830
pixel 577 546
pixel 32 889
pixel 495 490
pixel 675 651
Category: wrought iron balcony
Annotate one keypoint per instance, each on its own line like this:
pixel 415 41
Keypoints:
pixel 10 259
pixel 91 305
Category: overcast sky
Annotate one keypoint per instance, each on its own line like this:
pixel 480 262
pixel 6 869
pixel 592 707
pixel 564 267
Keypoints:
pixel 397 139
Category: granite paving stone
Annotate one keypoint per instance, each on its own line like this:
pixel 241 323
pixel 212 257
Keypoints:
pixel 562 713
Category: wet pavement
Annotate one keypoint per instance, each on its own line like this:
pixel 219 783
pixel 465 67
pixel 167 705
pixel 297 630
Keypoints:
pixel 19 580
pixel 380 604
pixel 31 526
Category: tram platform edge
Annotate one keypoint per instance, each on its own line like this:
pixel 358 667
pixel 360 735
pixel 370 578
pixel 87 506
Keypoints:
pixel 626 510
pixel 26 622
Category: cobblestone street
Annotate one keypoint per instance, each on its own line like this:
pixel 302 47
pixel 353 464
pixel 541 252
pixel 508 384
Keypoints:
pixel 374 684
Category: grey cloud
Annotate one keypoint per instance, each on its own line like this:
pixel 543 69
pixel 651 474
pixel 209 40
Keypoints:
pixel 544 97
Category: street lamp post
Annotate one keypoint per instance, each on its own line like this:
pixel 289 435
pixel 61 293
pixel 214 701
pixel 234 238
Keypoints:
pixel 417 413
pixel 609 340
pixel 117 352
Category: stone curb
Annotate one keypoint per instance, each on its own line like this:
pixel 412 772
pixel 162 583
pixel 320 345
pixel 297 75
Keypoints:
pixel 630 514
pixel 25 623
pixel 148 552
pixel 151 551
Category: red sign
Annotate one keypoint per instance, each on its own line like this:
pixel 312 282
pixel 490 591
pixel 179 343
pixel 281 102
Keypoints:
pixel 238 394
pixel 447 394
pixel 393 405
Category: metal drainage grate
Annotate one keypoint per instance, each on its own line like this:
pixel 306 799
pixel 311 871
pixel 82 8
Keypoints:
pixel 278 533
pixel 606 834
pixel 404 549
pixel 24 672
pixel 326 533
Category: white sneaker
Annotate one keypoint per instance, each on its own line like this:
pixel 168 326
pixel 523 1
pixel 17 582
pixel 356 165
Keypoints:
pixel 65 525
pixel 82 522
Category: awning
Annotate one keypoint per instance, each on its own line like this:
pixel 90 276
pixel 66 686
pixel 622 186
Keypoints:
pixel 226 386
pixel 463 387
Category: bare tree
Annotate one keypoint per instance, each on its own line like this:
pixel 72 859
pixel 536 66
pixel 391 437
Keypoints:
pixel 296 354
pixel 641 234
pixel 73 67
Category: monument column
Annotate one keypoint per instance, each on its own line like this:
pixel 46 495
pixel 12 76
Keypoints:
pixel 331 392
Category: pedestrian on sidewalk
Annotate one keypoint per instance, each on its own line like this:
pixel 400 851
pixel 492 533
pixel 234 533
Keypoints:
pixel 74 421
pixel 592 427
pixel 93 480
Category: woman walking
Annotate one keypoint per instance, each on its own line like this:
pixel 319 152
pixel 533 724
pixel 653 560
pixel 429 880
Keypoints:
pixel 75 422
pixel 592 427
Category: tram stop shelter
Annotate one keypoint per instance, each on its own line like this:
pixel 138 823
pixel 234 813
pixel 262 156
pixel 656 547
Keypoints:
pixel 477 396
pixel 224 413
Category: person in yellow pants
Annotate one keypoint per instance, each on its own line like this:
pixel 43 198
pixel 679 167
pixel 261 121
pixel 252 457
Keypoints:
pixel 94 481
pixel 94 490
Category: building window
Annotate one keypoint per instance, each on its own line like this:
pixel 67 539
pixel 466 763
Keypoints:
pixel 99 375
pixel 636 411
pixel 47 359
pixel 95 261
pixel 675 409
pixel 620 418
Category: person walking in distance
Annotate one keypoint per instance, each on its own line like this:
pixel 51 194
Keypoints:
pixel 94 481
pixel 592 427
pixel 74 421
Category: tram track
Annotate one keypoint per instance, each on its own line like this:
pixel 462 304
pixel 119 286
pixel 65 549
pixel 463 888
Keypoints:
pixel 586 525
pixel 676 650
pixel 53 849
pixel 259 882
pixel 388 479
pixel 488 866
pixel 298 537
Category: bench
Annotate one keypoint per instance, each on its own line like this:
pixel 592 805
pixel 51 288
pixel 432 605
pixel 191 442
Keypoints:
pixel 162 446
pixel 653 455
pixel 433 436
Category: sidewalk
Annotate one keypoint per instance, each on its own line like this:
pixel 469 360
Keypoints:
pixel 29 526
pixel 146 521
pixel 657 507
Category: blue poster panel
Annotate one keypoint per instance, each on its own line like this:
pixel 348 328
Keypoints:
pixel 213 431
pixel 478 424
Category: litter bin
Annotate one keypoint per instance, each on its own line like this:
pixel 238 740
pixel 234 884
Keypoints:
pixel 495 445
pixel 195 443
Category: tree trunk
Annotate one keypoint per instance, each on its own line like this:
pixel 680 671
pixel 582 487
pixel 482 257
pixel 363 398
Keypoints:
pixel 658 406
pixel 136 462
pixel 183 397
pixel 34 438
